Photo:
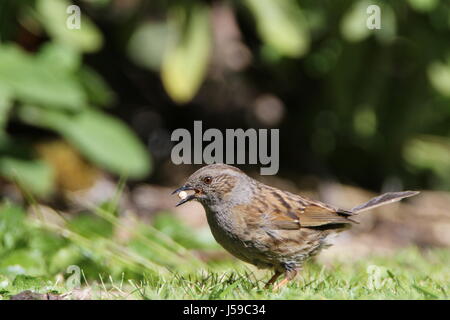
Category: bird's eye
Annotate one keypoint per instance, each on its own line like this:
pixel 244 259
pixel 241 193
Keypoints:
pixel 207 180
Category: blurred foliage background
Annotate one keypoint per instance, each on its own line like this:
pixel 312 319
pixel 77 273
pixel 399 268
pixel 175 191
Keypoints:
pixel 366 107
pixel 369 108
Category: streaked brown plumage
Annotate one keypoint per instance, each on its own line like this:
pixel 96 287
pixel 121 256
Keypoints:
pixel 265 226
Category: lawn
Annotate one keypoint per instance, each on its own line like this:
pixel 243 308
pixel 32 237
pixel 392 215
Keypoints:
pixel 409 275
pixel 88 257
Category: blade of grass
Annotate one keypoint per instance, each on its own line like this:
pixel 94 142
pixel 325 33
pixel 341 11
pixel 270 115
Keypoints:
pixel 183 255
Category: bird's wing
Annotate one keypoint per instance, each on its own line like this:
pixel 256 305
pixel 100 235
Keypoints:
pixel 287 211
pixel 314 215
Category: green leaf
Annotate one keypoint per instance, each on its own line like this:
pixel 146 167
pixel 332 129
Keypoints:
pixel 354 23
pixel 18 165
pixel 429 152
pixel 423 5
pixel 39 81
pixel 96 88
pixel 12 227
pixel 33 175
pixel 5 105
pixel 103 139
pixel 147 44
pixel 439 76
pixel 189 45
pixel 281 25
pixel 53 15
pixel 65 57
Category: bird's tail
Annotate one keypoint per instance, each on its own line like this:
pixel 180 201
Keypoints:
pixel 386 198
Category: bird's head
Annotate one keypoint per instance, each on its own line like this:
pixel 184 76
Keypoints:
pixel 214 184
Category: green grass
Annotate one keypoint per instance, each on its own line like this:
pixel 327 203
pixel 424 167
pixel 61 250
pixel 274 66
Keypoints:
pixel 157 262
pixel 408 275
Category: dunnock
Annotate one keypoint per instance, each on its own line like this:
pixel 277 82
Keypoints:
pixel 265 226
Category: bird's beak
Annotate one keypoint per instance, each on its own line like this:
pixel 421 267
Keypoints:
pixel 188 198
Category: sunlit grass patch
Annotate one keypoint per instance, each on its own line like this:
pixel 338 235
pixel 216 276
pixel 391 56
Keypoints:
pixel 83 257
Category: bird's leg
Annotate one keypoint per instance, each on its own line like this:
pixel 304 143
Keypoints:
pixel 289 275
pixel 273 279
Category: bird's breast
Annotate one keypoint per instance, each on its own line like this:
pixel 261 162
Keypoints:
pixel 232 233
pixel 223 225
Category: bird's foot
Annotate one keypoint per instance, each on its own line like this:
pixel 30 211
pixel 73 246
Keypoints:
pixel 289 275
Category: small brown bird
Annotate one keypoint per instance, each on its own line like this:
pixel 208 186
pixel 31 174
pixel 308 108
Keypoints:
pixel 265 226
